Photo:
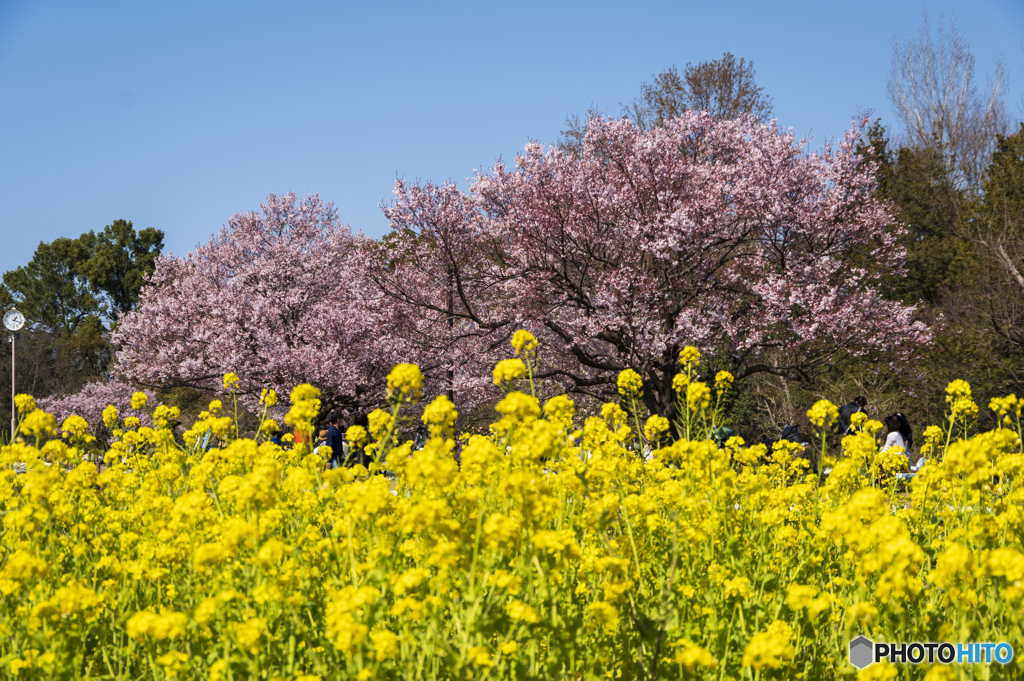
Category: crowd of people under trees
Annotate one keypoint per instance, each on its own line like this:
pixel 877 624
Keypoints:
pixel 896 435
pixel 338 452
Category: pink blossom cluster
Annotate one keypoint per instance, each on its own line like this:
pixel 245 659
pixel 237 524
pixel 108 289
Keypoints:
pixel 93 398
pixel 278 297
pixel 724 234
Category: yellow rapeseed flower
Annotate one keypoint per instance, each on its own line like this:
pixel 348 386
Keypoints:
pixel 560 409
pixel 480 656
pixel 738 587
pixel 385 644
pixel 692 656
pixel 772 648
pixel 689 355
pixel 405 381
pixel 74 426
pixel 655 426
pixel 304 393
pixel 440 415
pixel 518 407
pixel 630 384
pixel 251 634
pixel 823 414
pixel 39 424
pixel 305 407
pixel 25 403
pixel 110 416
pixel 958 396
pixel 356 435
pixel 957 389
pixel 380 421
pixel 246 535
pixel 800 596
pixel 518 610
pixel 508 370
pixel 157 626
pixel 698 396
pixel 613 414
pixel 604 614
pixel 173 662
pixel 524 342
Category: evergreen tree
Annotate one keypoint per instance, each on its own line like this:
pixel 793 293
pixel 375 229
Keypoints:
pixel 71 293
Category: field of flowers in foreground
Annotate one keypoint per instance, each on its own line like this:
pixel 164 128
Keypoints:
pixel 554 552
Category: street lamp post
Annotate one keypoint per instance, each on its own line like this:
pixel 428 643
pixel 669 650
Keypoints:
pixel 14 406
pixel 13 321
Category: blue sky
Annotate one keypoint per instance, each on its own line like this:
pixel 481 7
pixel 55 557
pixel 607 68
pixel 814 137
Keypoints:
pixel 178 115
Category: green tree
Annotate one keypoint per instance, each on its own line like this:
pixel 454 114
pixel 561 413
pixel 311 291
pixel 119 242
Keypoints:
pixel 998 232
pixel 69 280
pixel 71 292
pixel 964 258
pixel 1003 206
pixel 50 290
pixel 933 213
pixel 120 260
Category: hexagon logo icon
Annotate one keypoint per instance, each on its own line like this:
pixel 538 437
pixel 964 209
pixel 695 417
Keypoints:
pixel 862 652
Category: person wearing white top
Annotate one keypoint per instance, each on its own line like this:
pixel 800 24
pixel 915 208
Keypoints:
pixel 894 439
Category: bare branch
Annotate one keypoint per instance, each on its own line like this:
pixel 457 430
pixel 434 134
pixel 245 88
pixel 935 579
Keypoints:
pixel 934 93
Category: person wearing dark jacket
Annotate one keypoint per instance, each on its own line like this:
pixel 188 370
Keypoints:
pixel 335 440
pixel 357 455
pixel 847 412
pixel 905 431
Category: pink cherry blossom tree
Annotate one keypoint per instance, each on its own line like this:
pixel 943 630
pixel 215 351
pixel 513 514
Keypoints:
pixel 278 297
pixel 722 234
pixel 437 269
pixel 93 398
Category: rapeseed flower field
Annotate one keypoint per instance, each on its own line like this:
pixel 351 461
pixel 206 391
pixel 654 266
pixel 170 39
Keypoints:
pixel 559 549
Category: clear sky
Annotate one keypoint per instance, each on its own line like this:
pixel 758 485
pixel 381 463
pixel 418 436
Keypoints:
pixel 178 115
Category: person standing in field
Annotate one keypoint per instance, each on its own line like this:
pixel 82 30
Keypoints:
pixel 846 413
pixel 357 453
pixel 421 438
pixel 335 440
pixel 300 436
pixel 905 431
pixel 321 440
